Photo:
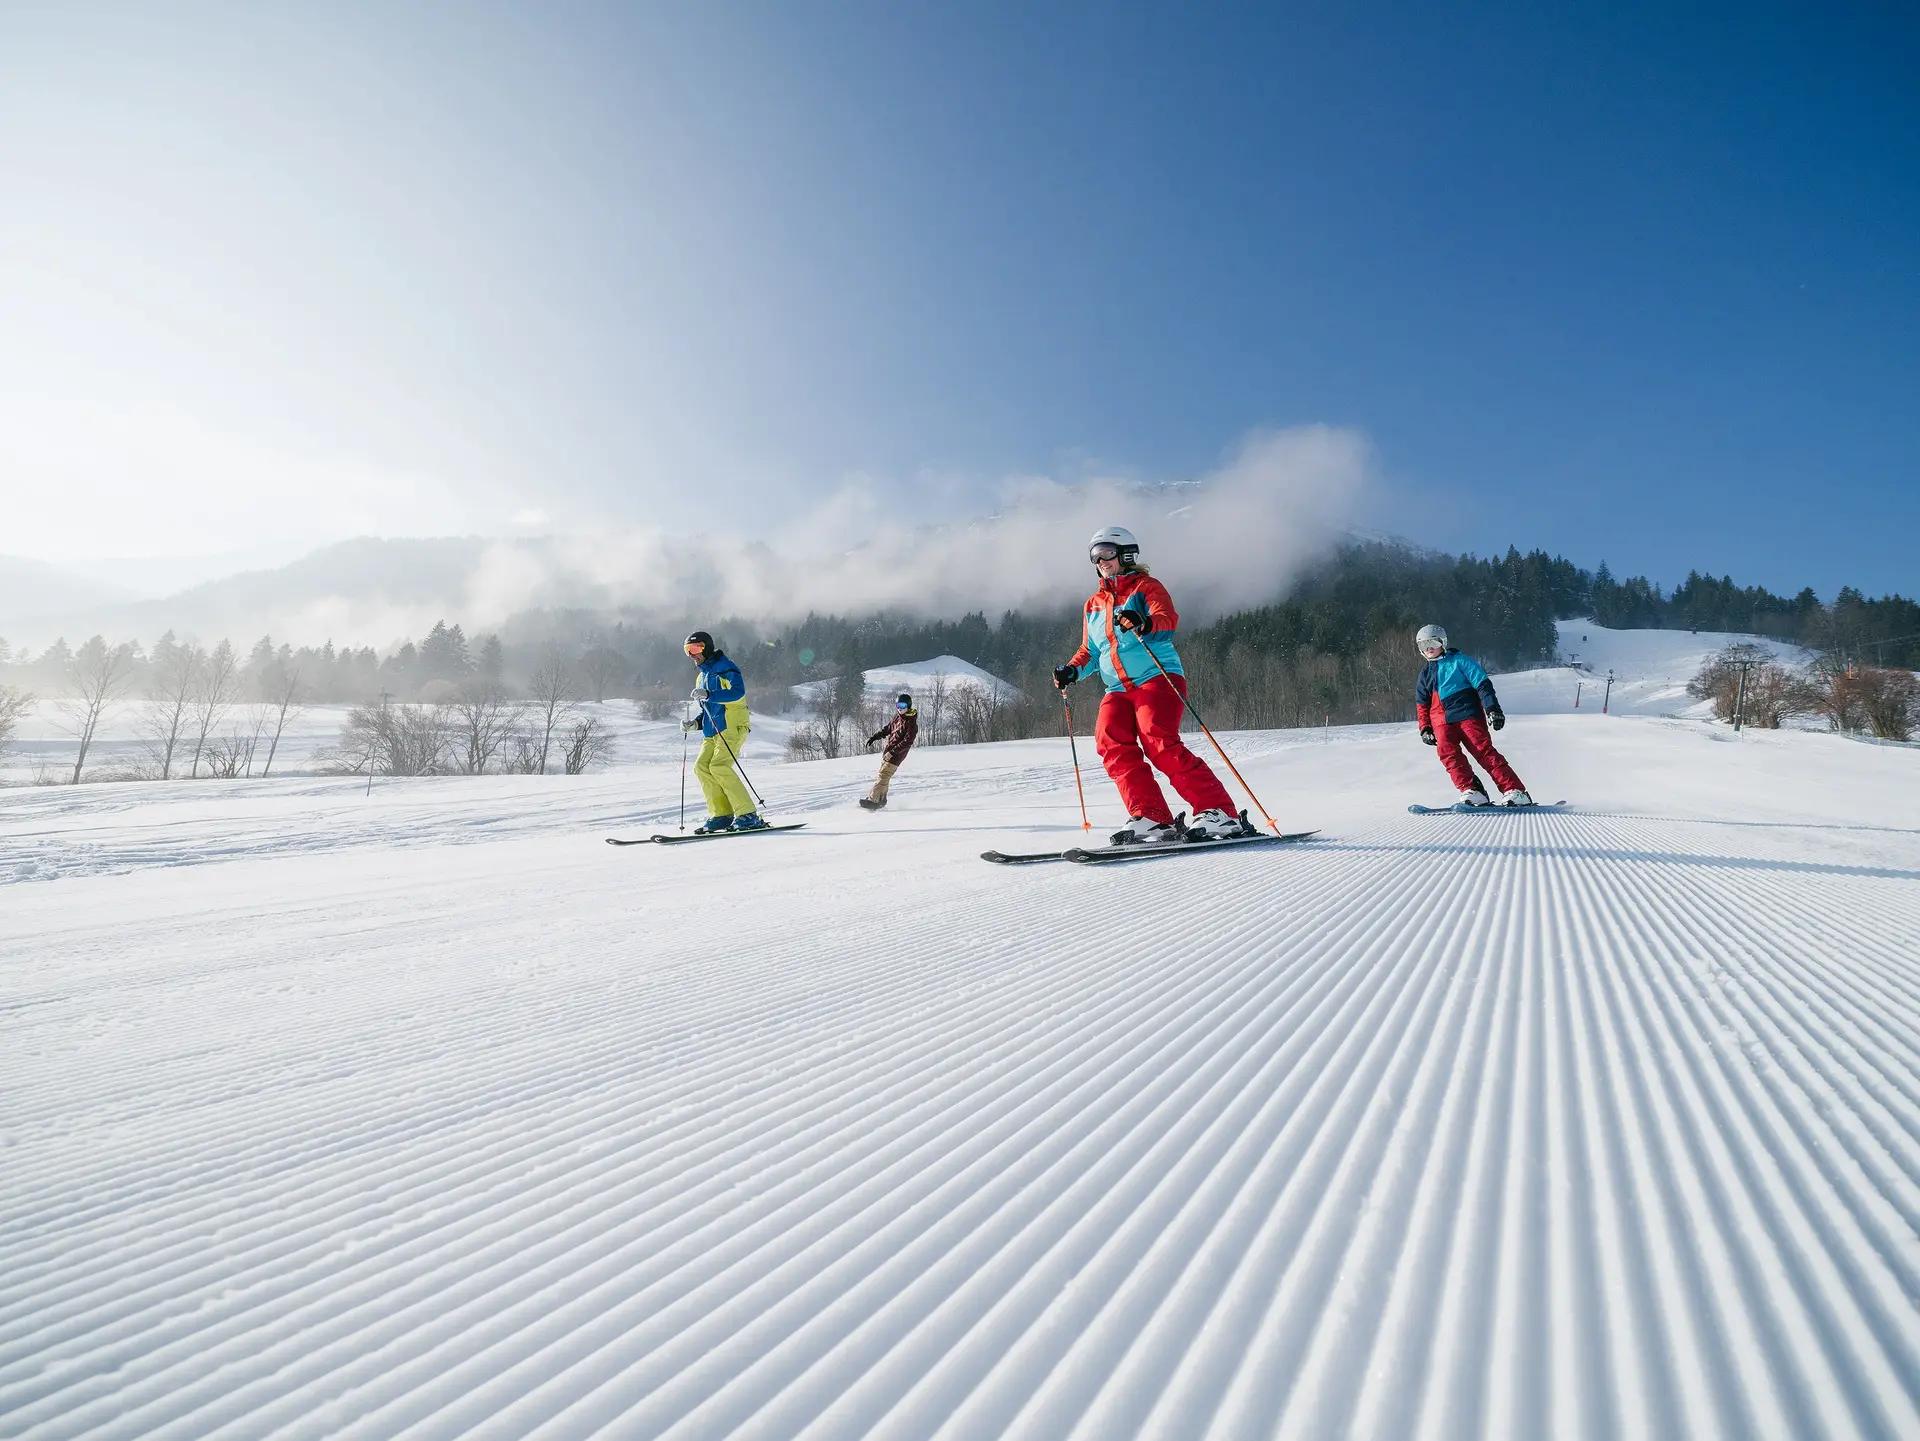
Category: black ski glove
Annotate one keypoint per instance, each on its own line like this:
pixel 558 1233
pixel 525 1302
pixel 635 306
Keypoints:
pixel 1427 735
pixel 1065 675
pixel 1497 718
pixel 1138 622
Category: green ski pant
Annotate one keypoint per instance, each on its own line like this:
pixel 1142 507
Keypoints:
pixel 726 793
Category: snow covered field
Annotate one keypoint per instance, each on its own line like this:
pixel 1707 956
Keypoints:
pixel 43 749
pixel 427 1113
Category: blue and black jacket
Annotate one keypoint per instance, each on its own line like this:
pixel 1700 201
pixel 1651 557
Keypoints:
pixel 1452 686
pixel 718 685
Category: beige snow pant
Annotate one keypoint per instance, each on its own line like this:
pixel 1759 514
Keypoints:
pixel 878 795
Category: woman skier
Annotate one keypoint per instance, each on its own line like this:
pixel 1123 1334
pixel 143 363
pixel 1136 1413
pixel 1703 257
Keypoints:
pixel 1454 703
pixel 720 692
pixel 899 734
pixel 1128 625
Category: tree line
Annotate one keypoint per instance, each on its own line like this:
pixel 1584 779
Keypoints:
pixel 199 711
pixel 1336 647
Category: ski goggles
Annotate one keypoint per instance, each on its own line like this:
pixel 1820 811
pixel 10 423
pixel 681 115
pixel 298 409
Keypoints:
pixel 901 704
pixel 1103 551
pixel 694 648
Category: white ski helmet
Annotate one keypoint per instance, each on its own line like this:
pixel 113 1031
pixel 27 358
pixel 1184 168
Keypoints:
pixel 1430 635
pixel 1117 536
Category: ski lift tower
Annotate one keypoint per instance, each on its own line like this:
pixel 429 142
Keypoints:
pixel 1740 698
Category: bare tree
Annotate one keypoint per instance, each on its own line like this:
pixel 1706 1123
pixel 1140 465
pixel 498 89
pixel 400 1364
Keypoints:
pixel 589 743
pixel 285 698
pixel 978 713
pixel 1885 702
pixel 835 709
pixel 483 720
pixel 96 676
pixel 13 705
pixel 604 668
pixel 935 696
pixel 171 686
pixel 659 703
pixel 394 740
pixel 552 698
pixel 1771 691
pixel 230 756
pixel 214 693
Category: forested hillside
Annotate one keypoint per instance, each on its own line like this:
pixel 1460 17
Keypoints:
pixel 1337 647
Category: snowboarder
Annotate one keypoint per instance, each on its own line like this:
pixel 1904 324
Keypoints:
pixel 1455 704
pixel 720 693
pixel 899 734
pixel 1128 623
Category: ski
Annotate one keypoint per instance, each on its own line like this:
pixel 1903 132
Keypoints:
pixel 1461 808
pixel 1001 858
pixel 698 836
pixel 1109 855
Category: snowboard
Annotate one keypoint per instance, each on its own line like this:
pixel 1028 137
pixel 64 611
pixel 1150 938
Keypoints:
pixel 699 836
pixel 1461 808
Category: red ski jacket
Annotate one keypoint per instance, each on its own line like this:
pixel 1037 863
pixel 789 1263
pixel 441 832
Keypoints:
pixel 1123 654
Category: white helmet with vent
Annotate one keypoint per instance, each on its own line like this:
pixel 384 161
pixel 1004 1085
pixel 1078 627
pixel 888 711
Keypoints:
pixel 1431 637
pixel 1113 541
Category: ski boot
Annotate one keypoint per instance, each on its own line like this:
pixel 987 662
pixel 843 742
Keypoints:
pixel 1214 825
pixel 749 822
pixel 1475 797
pixel 714 825
pixel 1139 831
pixel 1516 798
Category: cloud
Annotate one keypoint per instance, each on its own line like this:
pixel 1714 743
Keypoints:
pixel 1229 540
pixel 1225 541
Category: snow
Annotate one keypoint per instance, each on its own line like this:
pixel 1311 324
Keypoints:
pixel 1650 668
pixel 424 1112
pixel 917 675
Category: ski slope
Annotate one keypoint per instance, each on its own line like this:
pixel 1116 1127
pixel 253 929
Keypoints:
pixel 426 1113
pixel 1650 671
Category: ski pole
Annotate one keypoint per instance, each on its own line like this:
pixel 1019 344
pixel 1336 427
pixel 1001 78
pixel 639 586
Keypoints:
pixel 1073 746
pixel 761 800
pixel 1272 824
pixel 684 718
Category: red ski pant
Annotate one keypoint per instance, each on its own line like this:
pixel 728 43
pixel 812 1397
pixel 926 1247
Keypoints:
pixel 1451 737
pixel 1141 725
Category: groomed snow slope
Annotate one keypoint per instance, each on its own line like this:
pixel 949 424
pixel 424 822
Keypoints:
pixel 428 1114
pixel 1650 670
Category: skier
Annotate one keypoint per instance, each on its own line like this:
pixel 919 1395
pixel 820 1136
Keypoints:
pixel 720 692
pixel 1454 703
pixel 1128 624
pixel 899 734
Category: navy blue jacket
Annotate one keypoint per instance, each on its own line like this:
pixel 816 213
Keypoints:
pixel 717 686
pixel 1456 687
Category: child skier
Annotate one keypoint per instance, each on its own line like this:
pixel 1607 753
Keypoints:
pixel 899 734
pixel 1127 626
pixel 1454 703
pixel 721 695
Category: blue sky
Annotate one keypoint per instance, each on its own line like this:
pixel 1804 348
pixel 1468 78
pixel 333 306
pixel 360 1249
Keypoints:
pixel 1633 283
